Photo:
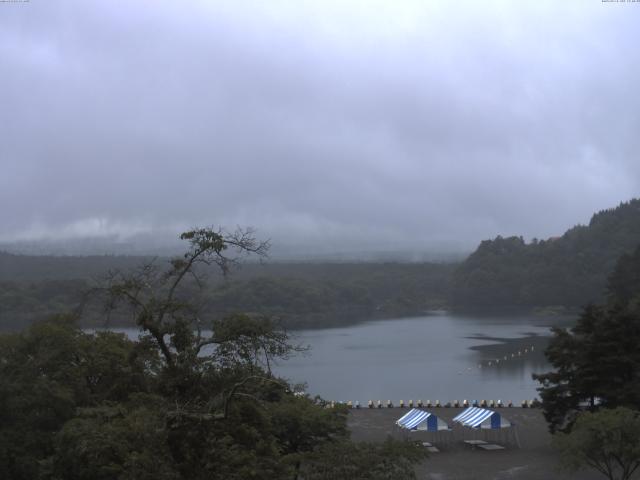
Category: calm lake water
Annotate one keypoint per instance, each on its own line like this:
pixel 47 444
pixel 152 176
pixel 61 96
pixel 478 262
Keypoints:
pixel 440 356
pixel 436 357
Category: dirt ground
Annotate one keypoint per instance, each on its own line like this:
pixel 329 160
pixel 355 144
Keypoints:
pixel 533 460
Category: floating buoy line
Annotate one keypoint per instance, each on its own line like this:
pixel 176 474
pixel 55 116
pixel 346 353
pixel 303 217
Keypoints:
pixel 496 362
pixel 428 404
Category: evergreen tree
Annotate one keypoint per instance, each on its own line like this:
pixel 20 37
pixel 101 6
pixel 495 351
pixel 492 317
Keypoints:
pixel 597 362
pixel 570 270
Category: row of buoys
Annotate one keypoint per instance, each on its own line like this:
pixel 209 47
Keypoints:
pixel 437 404
pixel 514 355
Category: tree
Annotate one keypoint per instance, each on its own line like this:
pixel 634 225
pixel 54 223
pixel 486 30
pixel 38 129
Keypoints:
pixel 158 299
pixel 49 372
pixel 364 461
pixel 569 270
pixel 191 399
pixel 227 415
pixel 597 362
pixel 124 441
pixel 607 440
pixel 216 377
pixel 77 405
pixel 302 425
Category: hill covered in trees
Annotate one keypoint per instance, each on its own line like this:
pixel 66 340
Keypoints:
pixel 568 271
pixel 301 295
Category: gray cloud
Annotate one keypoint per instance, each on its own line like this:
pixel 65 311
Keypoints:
pixel 323 124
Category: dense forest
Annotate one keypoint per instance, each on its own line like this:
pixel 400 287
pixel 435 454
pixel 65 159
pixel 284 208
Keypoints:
pixel 178 403
pixel 598 358
pixel 564 272
pixel 301 295
pixel 568 271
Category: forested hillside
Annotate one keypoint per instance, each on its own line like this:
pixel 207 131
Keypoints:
pixel 302 295
pixel 334 294
pixel 568 271
pixel 37 268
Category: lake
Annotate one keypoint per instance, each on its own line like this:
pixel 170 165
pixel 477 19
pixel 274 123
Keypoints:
pixel 440 356
pixel 436 357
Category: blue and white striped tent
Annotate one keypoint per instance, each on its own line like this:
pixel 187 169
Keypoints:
pixel 476 417
pixel 417 419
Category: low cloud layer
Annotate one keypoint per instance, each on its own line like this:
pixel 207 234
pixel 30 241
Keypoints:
pixel 325 125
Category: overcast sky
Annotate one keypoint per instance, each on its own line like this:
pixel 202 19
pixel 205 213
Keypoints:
pixel 327 125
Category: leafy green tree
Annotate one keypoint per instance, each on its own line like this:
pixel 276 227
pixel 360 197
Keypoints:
pixel 301 425
pixel 159 299
pixel 124 441
pixel 364 461
pixel 191 399
pixel 48 372
pixel 216 378
pixel 607 441
pixel 597 362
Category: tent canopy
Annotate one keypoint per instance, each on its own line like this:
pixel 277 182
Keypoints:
pixel 417 419
pixel 476 417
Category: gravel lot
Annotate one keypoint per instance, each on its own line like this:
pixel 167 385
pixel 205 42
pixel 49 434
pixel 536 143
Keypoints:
pixel 534 460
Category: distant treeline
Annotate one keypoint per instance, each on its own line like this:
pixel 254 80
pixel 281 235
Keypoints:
pixel 334 294
pixel 505 273
pixel 302 295
pixel 568 271
pixel 38 268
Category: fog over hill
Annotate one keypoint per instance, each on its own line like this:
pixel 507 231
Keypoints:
pixel 334 128
pixel 143 245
